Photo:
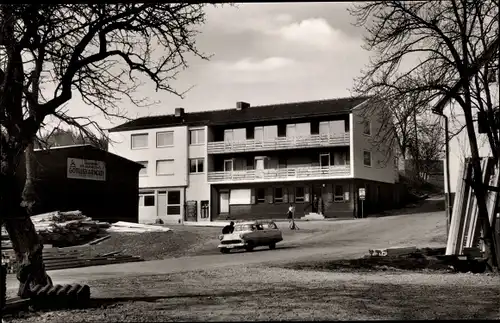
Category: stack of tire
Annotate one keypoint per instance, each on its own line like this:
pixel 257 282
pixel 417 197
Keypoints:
pixel 3 286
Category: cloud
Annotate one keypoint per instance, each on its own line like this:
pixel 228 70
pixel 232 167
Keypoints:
pixel 251 70
pixel 316 32
pixel 265 65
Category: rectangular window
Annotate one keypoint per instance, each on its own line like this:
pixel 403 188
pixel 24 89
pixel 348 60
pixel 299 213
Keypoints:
pixel 258 133
pixel 367 158
pixel 291 130
pixel 228 135
pixel 367 128
pixel 196 165
pixel 278 195
pixel 299 194
pixel 164 139
pixel 261 195
pixel 165 167
pixel 314 127
pixel 174 197
pixel 346 125
pixel 204 209
pixel 139 141
pixel 281 162
pixel 282 130
pixel 197 137
pixel 250 133
pixel 149 200
pixel 250 162
pixel 143 171
pixel 174 202
pixel 324 128
pixel 338 195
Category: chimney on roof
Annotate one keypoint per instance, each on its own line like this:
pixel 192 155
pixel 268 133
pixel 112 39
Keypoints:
pixel 179 112
pixel 242 105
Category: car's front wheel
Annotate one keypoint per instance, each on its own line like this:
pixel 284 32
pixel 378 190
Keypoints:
pixel 249 246
pixel 224 250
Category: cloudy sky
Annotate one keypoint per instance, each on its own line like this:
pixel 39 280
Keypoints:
pixel 263 54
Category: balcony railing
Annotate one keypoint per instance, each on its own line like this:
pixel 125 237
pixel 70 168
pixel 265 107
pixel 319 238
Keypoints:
pixel 279 143
pixel 313 172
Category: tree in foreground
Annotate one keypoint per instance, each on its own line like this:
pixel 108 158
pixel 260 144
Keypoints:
pixel 443 43
pixel 50 53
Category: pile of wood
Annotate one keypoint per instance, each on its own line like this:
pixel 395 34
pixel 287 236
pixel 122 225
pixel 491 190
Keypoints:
pixel 72 257
pixel 67 228
pixel 64 258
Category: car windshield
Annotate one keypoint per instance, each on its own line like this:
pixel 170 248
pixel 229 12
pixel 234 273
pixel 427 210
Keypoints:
pixel 243 227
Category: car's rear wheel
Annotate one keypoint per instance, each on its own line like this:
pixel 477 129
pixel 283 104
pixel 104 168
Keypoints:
pixel 272 246
pixel 224 250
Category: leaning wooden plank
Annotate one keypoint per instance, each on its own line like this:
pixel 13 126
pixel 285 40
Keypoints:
pixel 458 208
pixel 490 197
pixel 111 253
pixel 471 224
pixel 96 241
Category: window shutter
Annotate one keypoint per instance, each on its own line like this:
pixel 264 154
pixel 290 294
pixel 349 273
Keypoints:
pixel 306 194
pixel 291 194
pixel 329 193
pixel 252 198
pixel 285 195
pixel 270 198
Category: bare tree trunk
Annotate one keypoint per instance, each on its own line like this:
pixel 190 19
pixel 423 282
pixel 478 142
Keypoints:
pixel 25 241
pixel 416 155
pixel 29 197
pixel 479 189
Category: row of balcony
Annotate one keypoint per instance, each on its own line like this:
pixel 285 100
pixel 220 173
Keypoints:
pixel 279 143
pixel 288 174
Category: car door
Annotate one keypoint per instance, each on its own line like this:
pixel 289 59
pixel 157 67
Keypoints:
pixel 273 233
pixel 260 234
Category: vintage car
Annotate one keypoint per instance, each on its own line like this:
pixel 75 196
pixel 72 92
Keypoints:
pixel 251 234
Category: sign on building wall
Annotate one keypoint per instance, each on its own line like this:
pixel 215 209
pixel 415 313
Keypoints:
pixel 362 193
pixel 86 169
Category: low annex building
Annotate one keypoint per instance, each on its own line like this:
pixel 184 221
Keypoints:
pixel 102 185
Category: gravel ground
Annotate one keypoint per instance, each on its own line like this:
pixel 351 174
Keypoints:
pixel 181 241
pixel 283 294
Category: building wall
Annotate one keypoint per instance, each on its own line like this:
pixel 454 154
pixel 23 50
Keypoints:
pixel 115 199
pixel 339 124
pixel 198 188
pixel 460 148
pixel 271 209
pixel 294 158
pixel 149 214
pixel 383 168
pixel 120 144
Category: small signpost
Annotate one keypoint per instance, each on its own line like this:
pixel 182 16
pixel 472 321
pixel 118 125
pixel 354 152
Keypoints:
pixel 362 196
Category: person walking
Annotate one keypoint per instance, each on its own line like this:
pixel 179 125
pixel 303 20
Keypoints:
pixel 228 228
pixel 291 215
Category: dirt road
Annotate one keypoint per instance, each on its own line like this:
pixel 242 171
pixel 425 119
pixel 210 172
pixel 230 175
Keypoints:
pixel 315 240
pixel 252 286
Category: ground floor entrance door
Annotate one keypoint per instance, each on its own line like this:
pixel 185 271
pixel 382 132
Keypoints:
pixel 224 202
pixel 162 205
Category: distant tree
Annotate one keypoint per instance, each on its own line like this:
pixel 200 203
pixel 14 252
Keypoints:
pixel 68 137
pixel 101 51
pixel 457 43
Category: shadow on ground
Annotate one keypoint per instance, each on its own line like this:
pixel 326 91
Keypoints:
pixel 339 301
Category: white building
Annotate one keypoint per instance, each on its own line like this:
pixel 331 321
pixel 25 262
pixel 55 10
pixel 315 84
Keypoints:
pixel 251 162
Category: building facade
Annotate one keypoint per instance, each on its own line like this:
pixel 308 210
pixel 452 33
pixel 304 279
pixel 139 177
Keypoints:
pixel 252 162
pixel 102 185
